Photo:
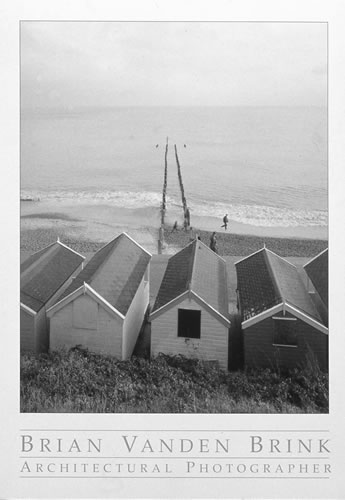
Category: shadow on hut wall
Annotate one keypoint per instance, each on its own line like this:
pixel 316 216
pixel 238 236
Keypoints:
pixel 236 353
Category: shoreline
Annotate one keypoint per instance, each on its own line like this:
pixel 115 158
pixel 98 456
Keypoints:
pixel 88 227
pixel 96 216
pixel 38 236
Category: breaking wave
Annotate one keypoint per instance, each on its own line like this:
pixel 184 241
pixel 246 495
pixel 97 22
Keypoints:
pixel 265 216
pixel 255 215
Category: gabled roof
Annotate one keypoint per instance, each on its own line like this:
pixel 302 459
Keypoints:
pixel 44 272
pixel 114 272
pixel 265 280
pixel 177 276
pixel 317 270
pixel 198 270
pixel 84 289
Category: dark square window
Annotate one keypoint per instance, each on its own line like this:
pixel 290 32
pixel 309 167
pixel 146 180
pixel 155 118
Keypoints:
pixel 189 323
pixel 285 332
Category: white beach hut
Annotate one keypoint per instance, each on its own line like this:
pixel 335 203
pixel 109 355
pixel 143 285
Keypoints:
pixel 104 307
pixel 43 278
pixel 190 315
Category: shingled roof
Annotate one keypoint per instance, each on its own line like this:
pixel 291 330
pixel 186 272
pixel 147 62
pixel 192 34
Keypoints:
pixel 114 272
pixel 264 280
pixel 44 272
pixel 200 270
pixel 317 270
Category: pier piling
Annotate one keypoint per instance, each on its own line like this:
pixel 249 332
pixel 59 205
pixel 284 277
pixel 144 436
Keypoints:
pixel 186 212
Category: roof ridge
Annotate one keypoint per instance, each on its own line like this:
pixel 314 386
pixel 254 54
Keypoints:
pixel 40 258
pixel 221 300
pixel 313 305
pixel 180 250
pixel 136 243
pixel 316 257
pixel 250 255
pixel 219 257
pixel 180 281
pixel 273 275
pixel 262 250
pixel 299 279
pixel 280 257
pixel 108 243
pixel 96 270
pixel 44 248
pixel 191 243
pixel 194 255
pixel 59 242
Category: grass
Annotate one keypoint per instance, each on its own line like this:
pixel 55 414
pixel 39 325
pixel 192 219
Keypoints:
pixel 79 381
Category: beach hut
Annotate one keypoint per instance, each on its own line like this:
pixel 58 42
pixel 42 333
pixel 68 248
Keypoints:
pixel 43 278
pixel 190 315
pixel 317 272
pixel 104 307
pixel 281 325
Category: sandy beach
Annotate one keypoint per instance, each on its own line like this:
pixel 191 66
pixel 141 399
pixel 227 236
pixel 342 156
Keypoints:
pixel 87 227
pixel 80 228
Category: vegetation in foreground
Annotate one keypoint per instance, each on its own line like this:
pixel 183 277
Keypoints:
pixel 78 381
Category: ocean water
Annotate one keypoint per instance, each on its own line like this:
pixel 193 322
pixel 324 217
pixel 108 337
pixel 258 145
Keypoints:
pixel 263 166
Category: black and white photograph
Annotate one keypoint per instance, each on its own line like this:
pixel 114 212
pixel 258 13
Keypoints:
pixel 174 217
pixel 172 240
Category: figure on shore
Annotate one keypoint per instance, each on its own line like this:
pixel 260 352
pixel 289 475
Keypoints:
pixel 213 242
pixel 185 224
pixel 175 228
pixel 225 220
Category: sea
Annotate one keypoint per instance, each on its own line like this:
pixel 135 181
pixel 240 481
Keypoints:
pixel 263 166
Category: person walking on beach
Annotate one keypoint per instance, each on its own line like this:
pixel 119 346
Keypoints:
pixel 213 242
pixel 225 220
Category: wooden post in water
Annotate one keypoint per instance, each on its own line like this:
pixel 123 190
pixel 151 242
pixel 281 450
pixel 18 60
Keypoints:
pixel 184 201
pixel 165 181
pixel 163 207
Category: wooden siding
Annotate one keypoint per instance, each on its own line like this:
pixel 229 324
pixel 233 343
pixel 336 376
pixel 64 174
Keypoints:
pixel 134 318
pixel 213 342
pixel 106 338
pixel 260 352
pixel 27 332
pixel 34 331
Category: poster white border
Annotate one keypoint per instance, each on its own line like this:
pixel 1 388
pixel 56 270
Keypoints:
pixel 12 421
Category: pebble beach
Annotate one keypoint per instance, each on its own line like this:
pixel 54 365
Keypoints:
pixel 87 234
